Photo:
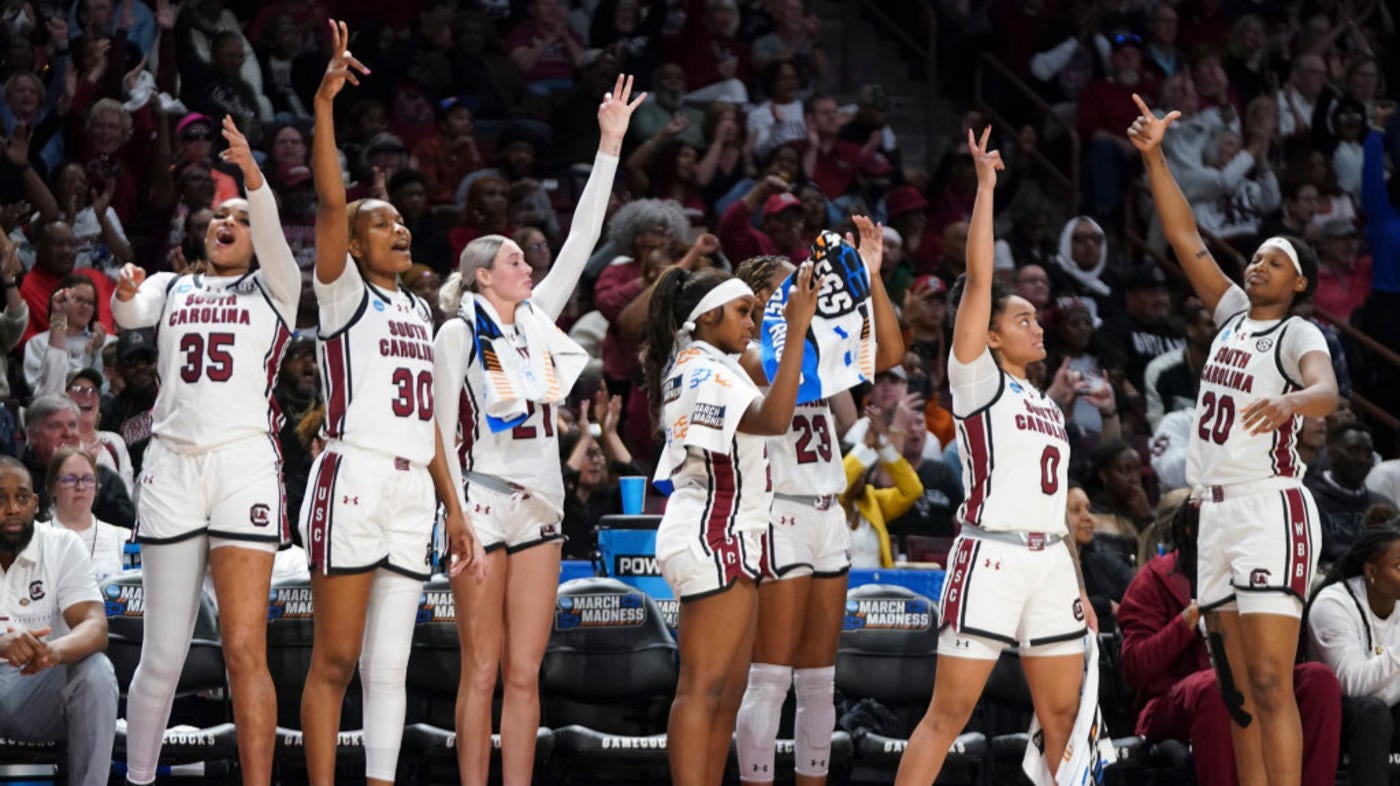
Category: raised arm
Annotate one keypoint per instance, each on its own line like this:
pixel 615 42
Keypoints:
pixel 275 260
pixel 332 232
pixel 889 339
pixel 614 114
pixel 1178 224
pixel 975 309
pixel 772 414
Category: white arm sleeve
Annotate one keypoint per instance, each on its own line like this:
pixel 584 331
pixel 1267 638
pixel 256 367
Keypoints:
pixel 275 260
pixel 1339 638
pixel 143 309
pixel 450 353
pixel 1045 65
pixel 974 385
pixel 553 292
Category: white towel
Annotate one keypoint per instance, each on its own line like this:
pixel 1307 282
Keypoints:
pixel 1089 749
pixel 542 368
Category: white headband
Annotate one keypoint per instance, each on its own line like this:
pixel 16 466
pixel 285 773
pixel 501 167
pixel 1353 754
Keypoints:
pixel 1282 244
pixel 730 289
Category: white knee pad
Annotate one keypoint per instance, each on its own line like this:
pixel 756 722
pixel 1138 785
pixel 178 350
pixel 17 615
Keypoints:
pixel 816 718
pixel 757 726
pixel 383 667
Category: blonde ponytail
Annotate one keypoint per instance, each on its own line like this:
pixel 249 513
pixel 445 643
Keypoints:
pixel 450 294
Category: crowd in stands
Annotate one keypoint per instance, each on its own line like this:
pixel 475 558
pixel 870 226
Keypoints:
pixel 477 119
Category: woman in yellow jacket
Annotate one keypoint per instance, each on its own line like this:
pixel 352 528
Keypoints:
pixel 868 507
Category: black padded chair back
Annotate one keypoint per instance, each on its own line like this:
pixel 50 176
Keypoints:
pixel 611 663
pixel 289 636
pixel 888 646
pixel 125 600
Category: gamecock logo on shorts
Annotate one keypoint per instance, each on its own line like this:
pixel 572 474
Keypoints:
pixel 1078 610
pixel 260 515
pixel 1259 577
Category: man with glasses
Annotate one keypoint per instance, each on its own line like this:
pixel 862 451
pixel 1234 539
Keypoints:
pixel 51 422
pixel 1297 98
pixel 55 683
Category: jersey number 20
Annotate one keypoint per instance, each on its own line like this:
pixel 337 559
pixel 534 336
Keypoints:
pixel 1218 418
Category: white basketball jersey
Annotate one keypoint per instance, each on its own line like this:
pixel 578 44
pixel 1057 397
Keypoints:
pixel 1014 449
pixel 706 458
pixel 527 454
pixel 377 376
pixel 1249 360
pixel 220 342
pixel 806 459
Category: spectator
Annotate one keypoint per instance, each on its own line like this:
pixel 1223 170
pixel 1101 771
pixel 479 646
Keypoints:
pixel 129 411
pixel 195 133
pixel 1029 242
pixel 1298 97
pixel 906 211
pixel 108 17
pixel 14 319
pixel 934 513
pixel 925 318
pixel 1384 479
pixel 1178 696
pixel 106 447
pixel 870 125
pixel 1073 340
pixel 451 153
pixel 196 36
pixel 666 103
pixel 1105 111
pixel 1173 378
pixel 72 485
pixel 298 392
pixel 488 212
pixel 1300 198
pixel 1120 505
pixel 716 57
pixel 220 87
pixel 868 508
pixel 26 108
pixel 290 69
pixel 794 39
pixel 97 229
pixel 1246 62
pixel 1340 491
pixel 545 49
pixel 1351 627
pixel 1332 202
pixel 55 683
pixel 1032 283
pixel 726 161
pixel 1106 573
pixel 537 252
pixel 830 160
pixel 1343 129
pixel 297 213
pixel 1312 442
pixel 1161 54
pixel 408 191
pixel 1070 57
pixel 591 468
pixel 669 170
pixel 55 253
pixel 783 232
pixel 1218 99
pixel 1144 329
pixel 874 174
pixel 896 270
pixel 73 341
pixel 517 163
pixel 424 282
pixel 1235 189
pixel 286 147
pixel 780 119
pixel 1168 448
pixel 1080 264
pixel 51 423
pixel 1344 276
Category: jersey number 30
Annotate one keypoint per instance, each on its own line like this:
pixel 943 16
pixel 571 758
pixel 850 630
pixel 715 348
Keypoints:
pixel 413 395
pixel 219 364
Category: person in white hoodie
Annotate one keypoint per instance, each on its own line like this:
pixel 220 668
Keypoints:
pixel 1080 264
pixel 1353 628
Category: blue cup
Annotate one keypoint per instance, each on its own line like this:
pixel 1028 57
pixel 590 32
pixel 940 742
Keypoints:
pixel 634 494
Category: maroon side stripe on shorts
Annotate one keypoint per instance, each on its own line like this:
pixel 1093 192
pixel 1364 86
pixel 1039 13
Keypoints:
pixel 959 571
pixel 323 511
pixel 1299 546
pixel 466 427
pixel 978 439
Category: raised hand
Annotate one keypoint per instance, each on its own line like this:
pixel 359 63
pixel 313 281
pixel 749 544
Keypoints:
pixel 100 47
pixel 616 112
pixel 102 198
pixel 706 243
pixel 239 154
pixel 679 123
pixel 133 76
pixel 802 298
pixel 342 67
pixel 988 163
pixel 872 243
pixel 17 146
pixel 128 281
pixel 1147 131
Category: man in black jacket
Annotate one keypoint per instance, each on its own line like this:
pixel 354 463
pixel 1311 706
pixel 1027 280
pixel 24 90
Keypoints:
pixel 51 422
pixel 1340 491
pixel 129 412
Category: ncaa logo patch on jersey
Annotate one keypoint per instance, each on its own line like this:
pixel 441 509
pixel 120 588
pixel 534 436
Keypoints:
pixel 260 515
pixel 1016 387
pixel 378 305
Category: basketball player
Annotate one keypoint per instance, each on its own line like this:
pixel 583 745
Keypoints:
pixel 1011 578
pixel 1259 530
pixel 807 551
pixel 710 540
pixel 367 519
pixel 501 341
pixel 211 482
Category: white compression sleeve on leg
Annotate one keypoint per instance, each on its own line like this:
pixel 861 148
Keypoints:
pixel 393 605
pixel 757 727
pixel 172 575
pixel 816 719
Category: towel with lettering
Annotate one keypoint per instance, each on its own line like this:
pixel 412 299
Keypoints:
pixel 1089 749
pixel 539 364
pixel 841 341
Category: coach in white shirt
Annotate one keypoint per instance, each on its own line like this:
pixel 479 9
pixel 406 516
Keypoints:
pixel 55 681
